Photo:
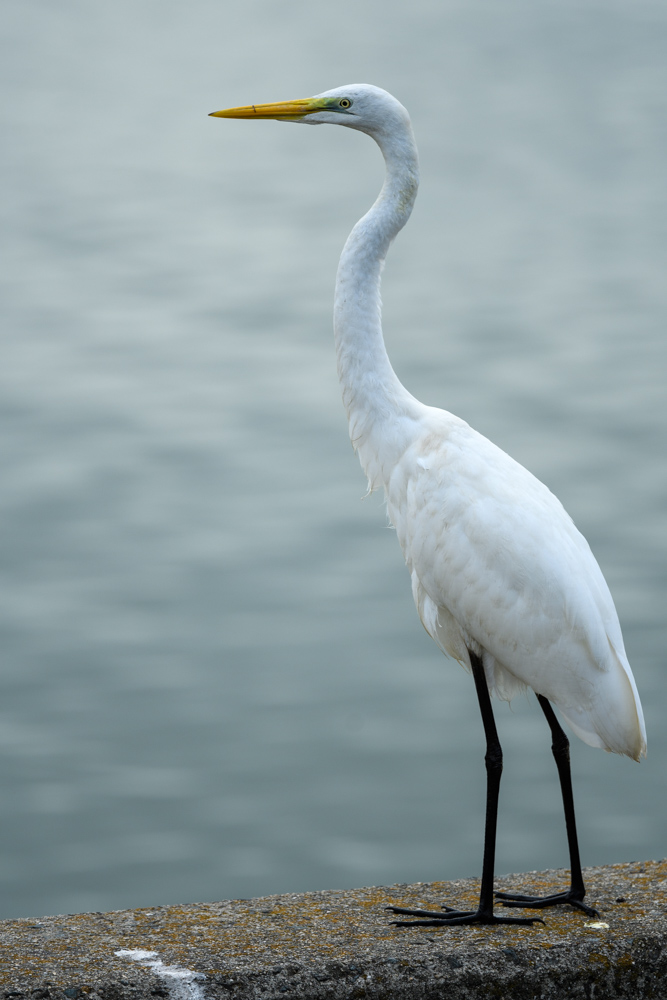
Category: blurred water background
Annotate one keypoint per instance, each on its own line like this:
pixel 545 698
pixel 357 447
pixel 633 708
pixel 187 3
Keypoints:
pixel 213 680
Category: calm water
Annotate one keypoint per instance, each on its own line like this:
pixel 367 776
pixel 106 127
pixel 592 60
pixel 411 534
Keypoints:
pixel 214 682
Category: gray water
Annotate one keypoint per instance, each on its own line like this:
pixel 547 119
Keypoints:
pixel 214 682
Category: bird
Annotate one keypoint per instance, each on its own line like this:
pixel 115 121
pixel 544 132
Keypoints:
pixel 503 581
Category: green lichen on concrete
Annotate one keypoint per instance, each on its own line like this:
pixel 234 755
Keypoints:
pixel 341 944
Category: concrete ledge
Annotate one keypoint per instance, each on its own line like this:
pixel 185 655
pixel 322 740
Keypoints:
pixel 341 945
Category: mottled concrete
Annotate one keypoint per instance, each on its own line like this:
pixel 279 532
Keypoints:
pixel 342 945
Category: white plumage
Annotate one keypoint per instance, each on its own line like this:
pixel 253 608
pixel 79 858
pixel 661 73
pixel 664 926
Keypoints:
pixel 499 572
pixel 499 568
pixel 497 564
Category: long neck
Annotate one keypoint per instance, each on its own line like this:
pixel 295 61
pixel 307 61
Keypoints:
pixel 372 394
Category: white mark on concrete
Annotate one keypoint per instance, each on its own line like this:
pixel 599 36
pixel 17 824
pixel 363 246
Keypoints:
pixel 181 982
pixel 596 925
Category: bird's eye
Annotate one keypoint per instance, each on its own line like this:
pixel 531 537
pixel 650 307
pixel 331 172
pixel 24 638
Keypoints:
pixel 345 103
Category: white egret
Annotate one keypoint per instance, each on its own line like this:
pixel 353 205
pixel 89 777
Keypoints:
pixel 502 580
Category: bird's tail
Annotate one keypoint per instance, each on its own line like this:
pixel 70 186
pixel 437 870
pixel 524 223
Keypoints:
pixel 615 720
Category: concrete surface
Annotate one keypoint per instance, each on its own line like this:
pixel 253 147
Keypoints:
pixel 341 945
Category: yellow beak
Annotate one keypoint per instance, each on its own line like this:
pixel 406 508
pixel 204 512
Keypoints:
pixel 287 110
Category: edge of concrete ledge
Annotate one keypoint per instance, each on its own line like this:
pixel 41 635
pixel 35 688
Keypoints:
pixel 341 944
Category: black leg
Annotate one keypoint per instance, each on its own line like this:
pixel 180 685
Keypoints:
pixel 560 747
pixel 494 769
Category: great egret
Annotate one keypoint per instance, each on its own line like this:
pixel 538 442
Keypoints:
pixel 502 580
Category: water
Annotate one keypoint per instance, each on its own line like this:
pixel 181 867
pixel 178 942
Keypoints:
pixel 214 682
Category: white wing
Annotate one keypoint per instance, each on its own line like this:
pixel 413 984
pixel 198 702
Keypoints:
pixel 498 567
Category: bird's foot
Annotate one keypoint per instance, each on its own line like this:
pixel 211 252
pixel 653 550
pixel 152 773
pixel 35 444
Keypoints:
pixel 541 902
pixel 452 917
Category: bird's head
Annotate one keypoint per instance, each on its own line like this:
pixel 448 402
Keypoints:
pixel 359 105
